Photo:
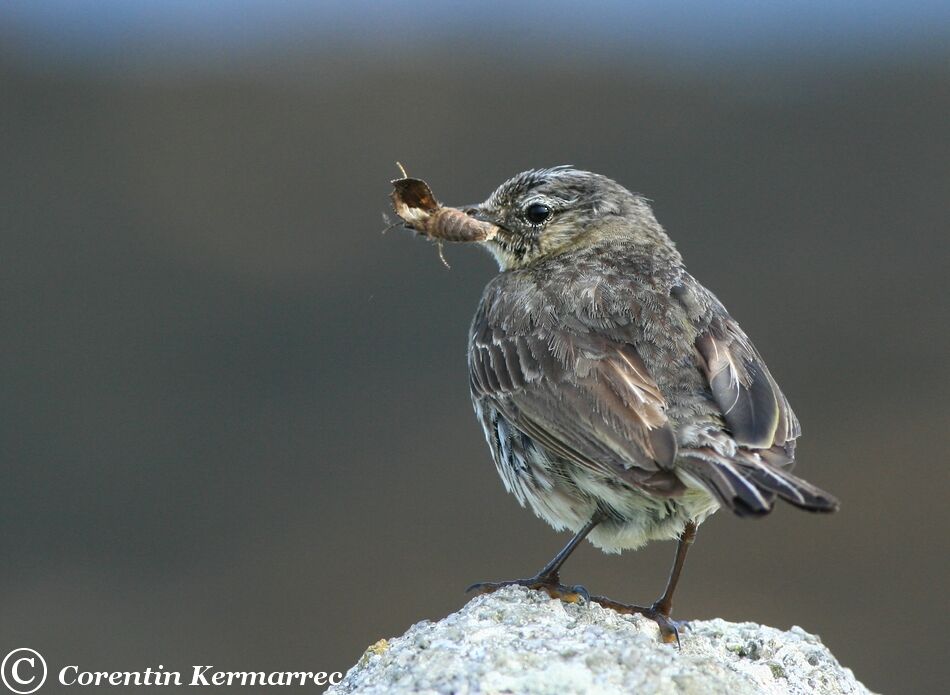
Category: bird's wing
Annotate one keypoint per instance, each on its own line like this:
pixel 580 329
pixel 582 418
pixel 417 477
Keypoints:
pixel 755 412
pixel 759 419
pixel 755 409
pixel 581 395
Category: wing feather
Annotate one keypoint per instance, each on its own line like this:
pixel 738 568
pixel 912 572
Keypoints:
pixel 585 397
pixel 755 409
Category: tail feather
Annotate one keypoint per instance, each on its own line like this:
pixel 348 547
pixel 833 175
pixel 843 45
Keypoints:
pixel 748 485
pixel 725 480
pixel 791 488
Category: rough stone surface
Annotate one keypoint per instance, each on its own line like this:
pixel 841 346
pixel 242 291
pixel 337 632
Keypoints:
pixel 520 641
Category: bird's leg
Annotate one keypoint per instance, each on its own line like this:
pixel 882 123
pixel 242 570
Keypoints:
pixel 660 611
pixel 548 579
pixel 664 604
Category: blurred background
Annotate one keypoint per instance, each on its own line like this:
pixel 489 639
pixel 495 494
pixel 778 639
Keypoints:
pixel 236 427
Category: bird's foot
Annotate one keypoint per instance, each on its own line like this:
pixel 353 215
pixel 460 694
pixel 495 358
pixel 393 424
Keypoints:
pixel 669 628
pixel 548 583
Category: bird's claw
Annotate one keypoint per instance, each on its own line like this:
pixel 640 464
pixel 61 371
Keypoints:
pixel 669 628
pixel 582 592
pixel 551 585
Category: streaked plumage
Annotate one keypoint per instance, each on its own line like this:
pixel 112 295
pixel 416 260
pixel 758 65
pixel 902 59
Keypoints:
pixel 607 379
pixel 618 397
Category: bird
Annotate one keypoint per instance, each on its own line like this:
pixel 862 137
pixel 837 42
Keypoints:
pixel 619 398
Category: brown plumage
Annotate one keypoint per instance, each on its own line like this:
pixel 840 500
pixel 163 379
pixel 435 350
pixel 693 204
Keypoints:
pixel 619 398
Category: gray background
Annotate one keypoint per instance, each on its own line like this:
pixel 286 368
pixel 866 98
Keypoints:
pixel 235 420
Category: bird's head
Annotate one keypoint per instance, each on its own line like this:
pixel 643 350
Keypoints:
pixel 545 212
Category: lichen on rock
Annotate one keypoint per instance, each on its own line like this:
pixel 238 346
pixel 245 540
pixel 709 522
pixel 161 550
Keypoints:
pixel 520 641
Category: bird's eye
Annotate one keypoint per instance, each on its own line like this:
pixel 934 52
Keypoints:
pixel 537 213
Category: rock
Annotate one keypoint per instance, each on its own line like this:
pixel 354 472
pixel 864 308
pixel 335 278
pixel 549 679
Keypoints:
pixel 520 641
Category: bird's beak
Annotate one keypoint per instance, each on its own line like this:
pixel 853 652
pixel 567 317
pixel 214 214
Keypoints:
pixel 479 213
